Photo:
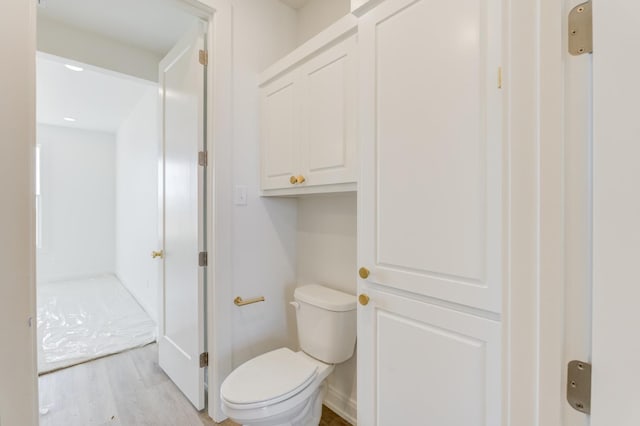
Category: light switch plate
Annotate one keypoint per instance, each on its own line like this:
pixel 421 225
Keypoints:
pixel 240 195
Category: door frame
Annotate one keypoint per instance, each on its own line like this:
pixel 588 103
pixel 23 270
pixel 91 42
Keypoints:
pixel 218 296
pixel 534 293
pixel 218 15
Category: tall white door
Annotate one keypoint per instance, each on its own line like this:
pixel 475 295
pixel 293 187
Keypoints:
pixel 430 213
pixel 181 340
pixel 616 213
pixel 431 146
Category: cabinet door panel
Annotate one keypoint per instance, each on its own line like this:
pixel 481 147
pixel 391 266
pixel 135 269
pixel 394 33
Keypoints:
pixel 325 115
pixel 424 364
pixel 328 123
pixel 280 140
pixel 431 143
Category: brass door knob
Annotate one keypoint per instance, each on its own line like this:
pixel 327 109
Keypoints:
pixel 155 254
pixel 293 180
pixel 363 299
pixel 364 273
pixel 300 179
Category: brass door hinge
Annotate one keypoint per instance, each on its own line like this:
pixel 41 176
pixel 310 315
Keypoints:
pixel 204 359
pixel 203 57
pixel 581 29
pixel 203 258
pixel 579 386
pixel 203 159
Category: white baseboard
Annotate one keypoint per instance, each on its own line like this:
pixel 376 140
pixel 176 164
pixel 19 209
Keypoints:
pixel 342 405
pixel 142 304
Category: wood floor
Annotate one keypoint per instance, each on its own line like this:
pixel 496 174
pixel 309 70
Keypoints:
pixel 124 389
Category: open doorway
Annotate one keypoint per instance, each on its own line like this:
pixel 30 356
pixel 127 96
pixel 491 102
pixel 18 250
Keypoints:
pixel 96 212
pixel 100 291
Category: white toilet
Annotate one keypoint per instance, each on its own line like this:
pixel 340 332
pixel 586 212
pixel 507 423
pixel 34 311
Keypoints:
pixel 286 388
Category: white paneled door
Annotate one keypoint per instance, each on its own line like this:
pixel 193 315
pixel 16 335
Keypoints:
pixel 426 364
pixel 616 213
pixel 182 201
pixel 430 235
pixel 432 149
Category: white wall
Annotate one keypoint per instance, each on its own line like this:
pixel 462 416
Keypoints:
pixel 281 243
pixel 18 380
pixel 263 231
pixel 326 239
pixel 317 15
pixel 327 254
pixel 83 46
pixel 136 160
pixel 78 203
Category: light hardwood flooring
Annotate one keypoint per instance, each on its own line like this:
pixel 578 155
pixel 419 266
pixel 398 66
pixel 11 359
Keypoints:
pixel 123 389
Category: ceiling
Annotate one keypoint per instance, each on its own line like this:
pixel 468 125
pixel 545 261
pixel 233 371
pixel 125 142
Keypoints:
pixel 97 99
pixel 296 4
pixel 154 25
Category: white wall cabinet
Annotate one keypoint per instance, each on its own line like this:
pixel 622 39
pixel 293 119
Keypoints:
pixel 308 141
pixel 359 7
pixel 430 212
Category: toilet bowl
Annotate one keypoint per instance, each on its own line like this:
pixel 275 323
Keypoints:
pixel 278 388
pixel 286 388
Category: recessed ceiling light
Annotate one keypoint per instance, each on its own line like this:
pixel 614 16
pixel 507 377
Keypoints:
pixel 69 119
pixel 74 67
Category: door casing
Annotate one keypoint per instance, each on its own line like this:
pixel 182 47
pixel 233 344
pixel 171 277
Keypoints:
pixel 534 294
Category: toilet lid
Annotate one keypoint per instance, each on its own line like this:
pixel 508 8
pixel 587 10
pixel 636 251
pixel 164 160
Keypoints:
pixel 272 377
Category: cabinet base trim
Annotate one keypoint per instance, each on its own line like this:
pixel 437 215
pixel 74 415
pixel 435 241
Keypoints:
pixel 309 190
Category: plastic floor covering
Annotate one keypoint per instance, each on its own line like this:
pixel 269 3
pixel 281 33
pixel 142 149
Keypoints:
pixel 85 319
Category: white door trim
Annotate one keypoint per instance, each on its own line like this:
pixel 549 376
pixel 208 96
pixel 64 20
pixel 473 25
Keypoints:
pixel 551 306
pixel 534 294
pixel 19 383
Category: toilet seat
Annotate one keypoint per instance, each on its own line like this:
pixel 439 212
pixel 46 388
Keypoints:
pixel 268 379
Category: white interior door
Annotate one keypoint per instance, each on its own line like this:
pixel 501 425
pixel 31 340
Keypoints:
pixel 616 213
pixel 181 339
pixel 431 149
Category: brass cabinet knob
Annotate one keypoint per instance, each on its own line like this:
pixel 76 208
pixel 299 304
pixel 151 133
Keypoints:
pixel 363 299
pixel 364 273
pixel 155 254
pixel 293 180
pixel 300 179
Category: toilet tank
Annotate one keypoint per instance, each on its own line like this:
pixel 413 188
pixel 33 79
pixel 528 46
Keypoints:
pixel 326 322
